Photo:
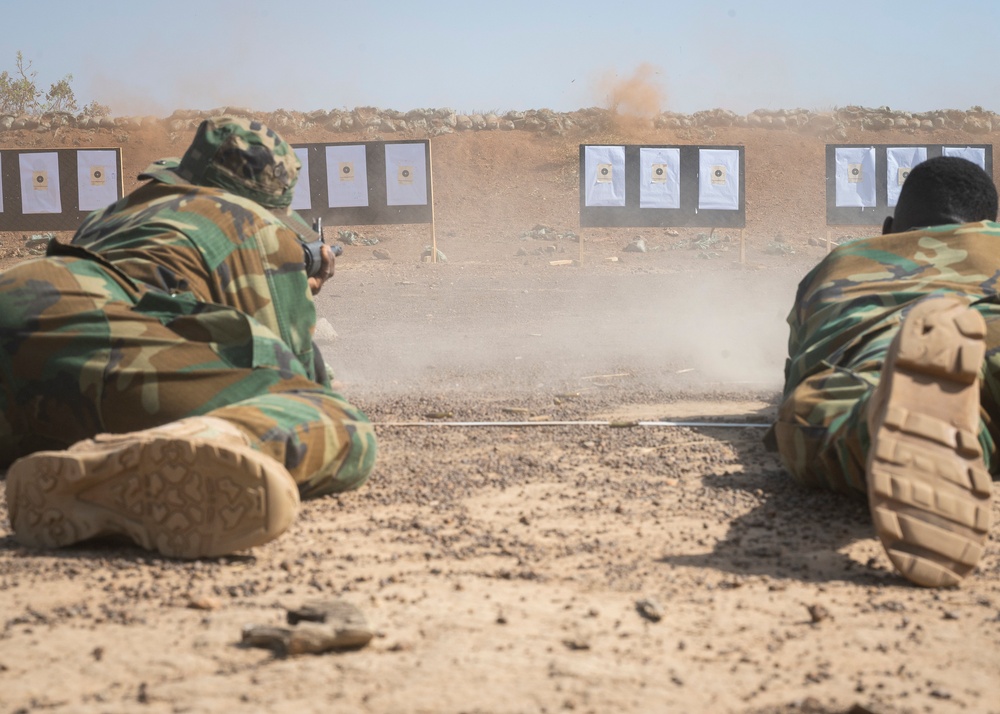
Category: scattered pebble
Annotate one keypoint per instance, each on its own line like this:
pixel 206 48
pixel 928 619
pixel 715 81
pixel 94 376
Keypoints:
pixel 649 609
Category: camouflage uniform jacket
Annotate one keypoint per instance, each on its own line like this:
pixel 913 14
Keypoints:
pixel 207 245
pixel 862 287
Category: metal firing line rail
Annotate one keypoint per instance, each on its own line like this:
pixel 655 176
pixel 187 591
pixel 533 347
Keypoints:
pixel 614 424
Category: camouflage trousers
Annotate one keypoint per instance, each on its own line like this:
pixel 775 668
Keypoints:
pixel 821 431
pixel 85 350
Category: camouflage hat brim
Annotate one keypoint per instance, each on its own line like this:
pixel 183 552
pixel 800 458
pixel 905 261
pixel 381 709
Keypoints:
pixel 165 171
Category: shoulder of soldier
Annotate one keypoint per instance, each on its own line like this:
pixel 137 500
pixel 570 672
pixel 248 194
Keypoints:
pixel 988 227
pixel 186 208
pixel 892 251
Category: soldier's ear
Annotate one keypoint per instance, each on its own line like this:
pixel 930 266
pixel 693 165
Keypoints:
pixel 887 225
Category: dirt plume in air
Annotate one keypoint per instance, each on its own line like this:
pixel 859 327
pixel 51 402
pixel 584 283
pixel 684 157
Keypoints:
pixel 637 96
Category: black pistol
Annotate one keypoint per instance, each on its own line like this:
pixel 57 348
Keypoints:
pixel 314 250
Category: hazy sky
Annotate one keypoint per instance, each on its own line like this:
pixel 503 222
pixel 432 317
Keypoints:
pixel 143 57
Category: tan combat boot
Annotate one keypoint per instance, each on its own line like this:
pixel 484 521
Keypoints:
pixel 189 489
pixel 928 488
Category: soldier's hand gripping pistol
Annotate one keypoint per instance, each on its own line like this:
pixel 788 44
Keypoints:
pixel 313 251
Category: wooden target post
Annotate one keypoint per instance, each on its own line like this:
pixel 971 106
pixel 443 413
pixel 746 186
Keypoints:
pixel 430 192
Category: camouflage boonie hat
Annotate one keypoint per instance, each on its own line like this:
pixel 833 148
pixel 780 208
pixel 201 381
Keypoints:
pixel 242 156
pixel 238 155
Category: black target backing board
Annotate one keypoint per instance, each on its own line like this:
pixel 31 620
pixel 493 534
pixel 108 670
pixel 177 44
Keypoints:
pixel 874 215
pixel 686 215
pixel 378 210
pixel 14 217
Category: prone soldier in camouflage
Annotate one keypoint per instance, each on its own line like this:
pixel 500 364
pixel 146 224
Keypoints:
pixel 158 377
pixel 893 377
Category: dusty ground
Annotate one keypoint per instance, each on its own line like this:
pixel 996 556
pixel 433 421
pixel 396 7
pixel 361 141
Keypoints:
pixel 502 566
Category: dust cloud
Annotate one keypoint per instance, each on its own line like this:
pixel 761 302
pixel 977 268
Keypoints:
pixel 551 329
pixel 639 95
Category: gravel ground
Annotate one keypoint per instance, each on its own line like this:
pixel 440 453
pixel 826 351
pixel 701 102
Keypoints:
pixel 536 568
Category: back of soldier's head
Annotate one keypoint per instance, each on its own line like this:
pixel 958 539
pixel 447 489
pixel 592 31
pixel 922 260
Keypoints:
pixel 945 190
pixel 242 156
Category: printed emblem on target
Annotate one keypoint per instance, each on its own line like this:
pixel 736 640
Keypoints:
pixel 405 175
pixel 346 170
pixel 902 173
pixel 718 175
pixel 604 173
pixel 40 180
pixel 658 173
pixel 854 173
pixel 97 176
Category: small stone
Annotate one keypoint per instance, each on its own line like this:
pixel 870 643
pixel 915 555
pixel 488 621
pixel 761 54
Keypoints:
pixel 649 609
pixel 319 626
pixel 818 613
pixel 203 602
pixel 432 255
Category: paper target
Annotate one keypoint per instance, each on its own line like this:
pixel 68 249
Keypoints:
pixel 659 178
pixel 40 183
pixel 718 179
pixel 605 175
pixel 899 161
pixel 302 193
pixel 406 174
pixel 97 178
pixel 855 176
pixel 975 154
pixel 347 175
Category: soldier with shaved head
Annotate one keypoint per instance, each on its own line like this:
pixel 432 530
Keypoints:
pixel 158 377
pixel 892 385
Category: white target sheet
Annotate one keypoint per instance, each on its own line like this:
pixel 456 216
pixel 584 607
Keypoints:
pixel 659 178
pixel 40 183
pixel 406 174
pixel 975 154
pixel 302 193
pixel 605 175
pixel 900 160
pixel 347 175
pixel 97 178
pixel 718 179
pixel 855 176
